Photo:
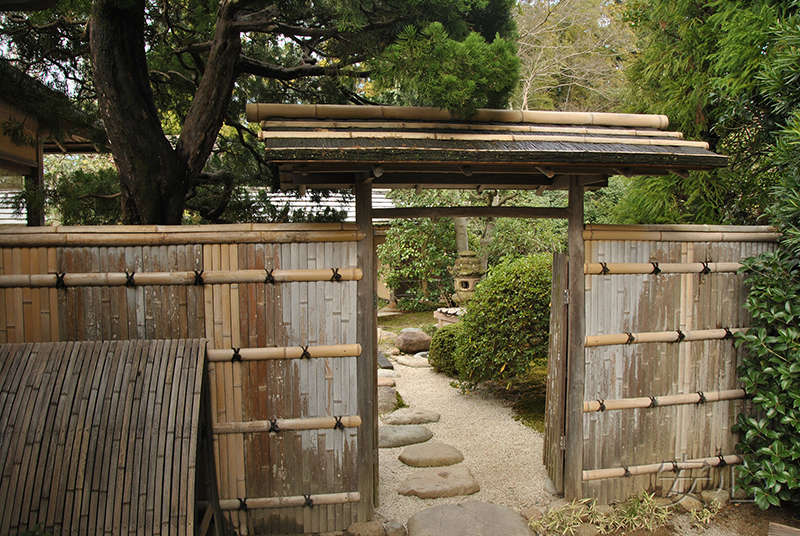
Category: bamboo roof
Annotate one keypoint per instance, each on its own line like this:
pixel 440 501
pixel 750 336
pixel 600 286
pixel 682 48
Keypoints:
pixel 324 146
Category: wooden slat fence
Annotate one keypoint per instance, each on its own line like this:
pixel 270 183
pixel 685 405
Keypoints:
pixel 678 286
pixel 258 470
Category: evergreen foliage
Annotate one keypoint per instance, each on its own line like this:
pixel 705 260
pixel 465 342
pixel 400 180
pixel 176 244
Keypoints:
pixel 443 349
pixel 507 324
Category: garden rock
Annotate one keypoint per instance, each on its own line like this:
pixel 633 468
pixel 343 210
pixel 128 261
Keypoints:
pixel 423 355
pixel 394 528
pixel 715 499
pixel 412 416
pixel 385 382
pixel 442 482
pixel 413 361
pixel 531 513
pixel 431 455
pixel 689 504
pixel 370 528
pixel 410 330
pixel 400 436
pixel 387 373
pixel 384 335
pixel 587 529
pixel 383 362
pixel 412 342
pixel 387 399
pixel 468 519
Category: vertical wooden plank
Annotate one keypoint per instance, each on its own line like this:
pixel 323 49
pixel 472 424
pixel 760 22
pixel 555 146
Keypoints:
pixel 367 362
pixel 3 296
pixel 576 367
pixel 557 375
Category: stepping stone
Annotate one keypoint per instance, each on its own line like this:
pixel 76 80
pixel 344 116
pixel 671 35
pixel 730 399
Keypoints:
pixel 412 361
pixel 411 416
pixel 468 519
pixel 386 382
pixel 383 362
pixel 430 455
pixel 387 399
pixel 400 436
pixel 387 373
pixel 441 482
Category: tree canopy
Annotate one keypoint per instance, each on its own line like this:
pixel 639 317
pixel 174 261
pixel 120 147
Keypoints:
pixel 165 77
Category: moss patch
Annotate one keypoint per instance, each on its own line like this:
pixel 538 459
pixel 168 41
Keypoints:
pixel 527 397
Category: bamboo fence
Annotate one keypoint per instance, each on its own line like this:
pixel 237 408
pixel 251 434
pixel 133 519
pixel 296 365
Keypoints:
pixel 662 303
pixel 277 306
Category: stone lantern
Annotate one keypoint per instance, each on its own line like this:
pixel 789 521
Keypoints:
pixel 466 272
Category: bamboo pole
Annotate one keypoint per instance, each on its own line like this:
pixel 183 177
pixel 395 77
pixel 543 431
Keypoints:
pixel 291 352
pixel 633 470
pixel 215 277
pixel 610 268
pixel 312 423
pixel 258 503
pixel 678 236
pixel 661 336
pixel 669 400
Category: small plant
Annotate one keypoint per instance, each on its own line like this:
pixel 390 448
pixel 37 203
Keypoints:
pixel 704 516
pixel 639 512
pixel 564 520
pixel 400 403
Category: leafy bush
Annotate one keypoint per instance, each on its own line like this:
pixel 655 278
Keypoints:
pixel 507 322
pixel 442 353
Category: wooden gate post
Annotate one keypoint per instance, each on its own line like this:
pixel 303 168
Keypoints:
pixel 576 367
pixel 368 360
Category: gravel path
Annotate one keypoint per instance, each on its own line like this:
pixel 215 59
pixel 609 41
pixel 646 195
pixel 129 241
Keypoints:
pixel 505 457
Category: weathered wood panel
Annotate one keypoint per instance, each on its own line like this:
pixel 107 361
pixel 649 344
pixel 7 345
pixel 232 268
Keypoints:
pixel 100 437
pixel 554 426
pixel 663 302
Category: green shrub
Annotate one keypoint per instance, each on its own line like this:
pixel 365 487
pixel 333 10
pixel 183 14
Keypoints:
pixel 442 353
pixel 506 327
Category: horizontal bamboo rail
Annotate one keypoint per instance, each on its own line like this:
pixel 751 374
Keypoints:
pixel 619 268
pixel 157 235
pixel 681 236
pixel 661 336
pixel 281 425
pixel 322 499
pixel 633 470
pixel 291 352
pixel 669 400
pixel 218 277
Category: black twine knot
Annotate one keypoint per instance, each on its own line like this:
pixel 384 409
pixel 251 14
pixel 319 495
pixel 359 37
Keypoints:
pixel 270 278
pixel 236 355
pixel 198 277
pixel 728 334
pixel 308 500
pixel 273 426
pixel 129 282
pixel 602 405
pixel 675 467
pixel 653 402
pixel 722 462
pixel 702 399
pixel 656 269
pixel 631 338
pixel 60 280
pixel 306 354
pixel 336 275
pixel 706 269
pixel 243 504
pixel 627 471
pixel 605 269
pixel 681 335
pixel 339 425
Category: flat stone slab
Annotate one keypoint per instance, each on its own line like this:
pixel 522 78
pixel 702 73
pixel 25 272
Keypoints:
pixel 383 362
pixel 468 519
pixel 412 361
pixel 399 436
pixel 441 482
pixel 430 455
pixel 385 382
pixel 411 416
pixel 387 373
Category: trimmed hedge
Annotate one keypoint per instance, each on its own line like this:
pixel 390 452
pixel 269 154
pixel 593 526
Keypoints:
pixel 506 327
pixel 444 344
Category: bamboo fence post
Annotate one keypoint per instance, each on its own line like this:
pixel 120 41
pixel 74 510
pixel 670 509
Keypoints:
pixel 291 352
pixel 280 425
pixel 652 468
pixel 256 503
pixel 699 397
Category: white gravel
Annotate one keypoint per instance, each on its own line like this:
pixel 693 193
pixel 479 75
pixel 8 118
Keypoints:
pixel 505 456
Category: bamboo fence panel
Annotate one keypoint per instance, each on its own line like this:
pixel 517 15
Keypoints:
pixel 679 298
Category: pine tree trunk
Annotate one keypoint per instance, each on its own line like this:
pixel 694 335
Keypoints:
pixel 462 240
pixel 154 176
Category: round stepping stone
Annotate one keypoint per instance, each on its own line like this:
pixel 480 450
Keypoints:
pixel 387 373
pixel 411 416
pixel 412 361
pixel 386 382
pixel 441 482
pixel 468 519
pixel 430 455
pixel 400 436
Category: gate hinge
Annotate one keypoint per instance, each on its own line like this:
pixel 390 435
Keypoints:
pixel 566 296
pixel 562 442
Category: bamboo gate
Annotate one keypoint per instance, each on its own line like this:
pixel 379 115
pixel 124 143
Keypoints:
pixel 278 307
pixel 661 391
